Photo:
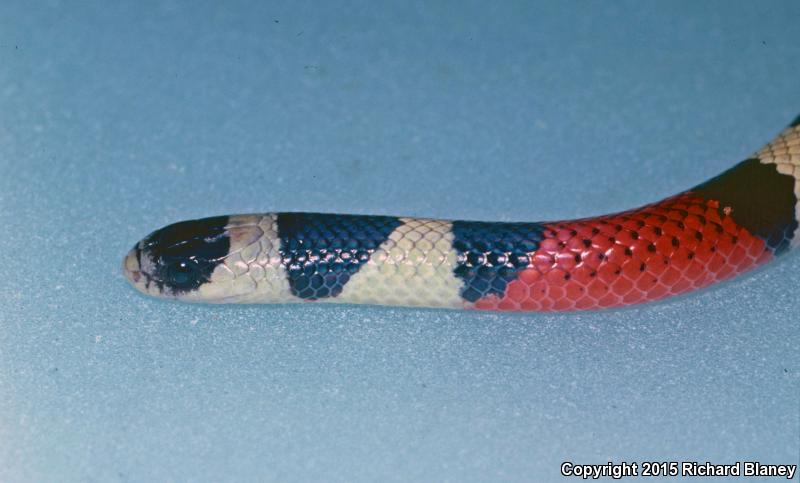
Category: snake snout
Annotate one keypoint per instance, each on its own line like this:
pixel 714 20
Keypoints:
pixel 131 266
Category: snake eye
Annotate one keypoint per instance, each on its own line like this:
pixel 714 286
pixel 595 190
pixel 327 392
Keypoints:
pixel 181 272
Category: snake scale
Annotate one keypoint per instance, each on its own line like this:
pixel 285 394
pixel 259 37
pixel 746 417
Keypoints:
pixel 728 225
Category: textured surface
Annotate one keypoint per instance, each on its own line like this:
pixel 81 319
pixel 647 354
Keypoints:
pixel 322 252
pixel 255 265
pixel 492 254
pixel 666 249
pixel 415 266
pixel 785 153
pixel 118 119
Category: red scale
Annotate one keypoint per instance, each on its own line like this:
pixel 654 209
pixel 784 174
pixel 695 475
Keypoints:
pixel 680 244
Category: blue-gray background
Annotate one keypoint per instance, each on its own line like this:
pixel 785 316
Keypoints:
pixel 118 118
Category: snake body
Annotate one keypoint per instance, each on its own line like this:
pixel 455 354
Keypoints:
pixel 726 226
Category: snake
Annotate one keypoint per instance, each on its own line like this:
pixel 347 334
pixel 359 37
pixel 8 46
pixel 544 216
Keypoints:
pixel 726 226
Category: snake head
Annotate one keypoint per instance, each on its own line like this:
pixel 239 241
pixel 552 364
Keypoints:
pixel 176 260
pixel 183 260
